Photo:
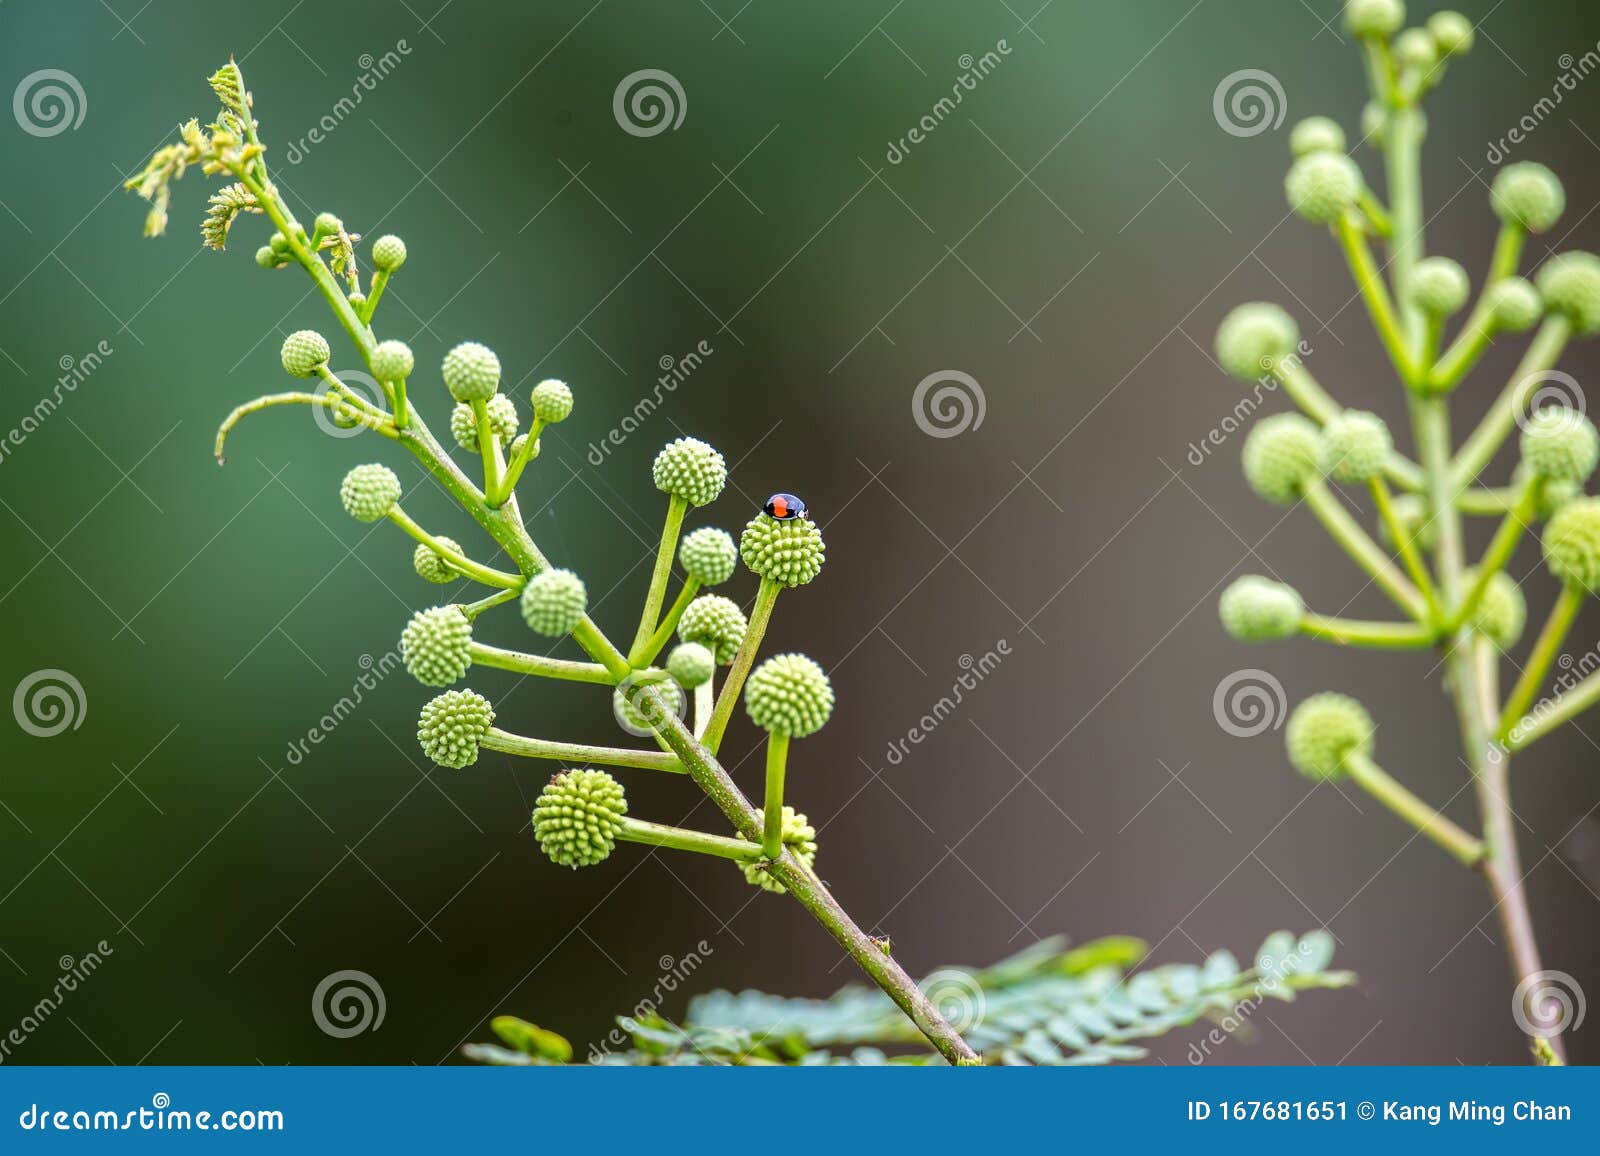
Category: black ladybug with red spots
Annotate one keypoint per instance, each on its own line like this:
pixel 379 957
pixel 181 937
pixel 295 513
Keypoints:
pixel 785 507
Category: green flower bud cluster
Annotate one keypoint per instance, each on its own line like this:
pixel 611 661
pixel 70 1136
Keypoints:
pixel 787 551
pixel 692 664
pixel 1381 18
pixel 1257 609
pixel 388 253
pixel 799 838
pixel 708 555
pixel 1570 286
pixel 1254 338
pixel 554 602
pixel 434 645
pixel 1316 134
pixel 1322 185
pixel 1515 305
pixel 1529 195
pixel 1281 453
pixel 1452 33
pixel 452 725
pixel 392 361
pixel 634 709
pixel 1439 286
pixel 1502 611
pixel 789 695
pixel 1323 731
pixel 304 351
pixel 1355 447
pixel 552 401
pixel 578 817
pixel 716 623
pixel 431 565
pixel 369 492
pixel 471 372
pixel 1572 544
pixel 690 469
pixel 503 420
pixel 1560 445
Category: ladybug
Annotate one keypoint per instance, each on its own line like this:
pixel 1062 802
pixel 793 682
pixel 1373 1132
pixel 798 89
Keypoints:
pixel 785 507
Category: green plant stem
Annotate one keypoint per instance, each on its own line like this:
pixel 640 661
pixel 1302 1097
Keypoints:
pixel 704 701
pixel 1375 293
pixel 1377 216
pixel 483 654
pixel 669 623
pixel 402 416
pixel 1376 635
pixel 1356 542
pixel 1567 705
pixel 267 401
pixel 380 280
pixel 1479 330
pixel 1501 547
pixel 1378 783
pixel 1306 391
pixel 356 401
pixel 578 753
pixel 679 839
pixel 489 450
pixel 811 894
pixel 521 458
pixel 743 660
pixel 587 635
pixel 473 609
pixel 1487 502
pixel 1545 649
pixel 772 801
pixel 1406 544
pixel 1480 447
pixel 671 527
pixel 458 561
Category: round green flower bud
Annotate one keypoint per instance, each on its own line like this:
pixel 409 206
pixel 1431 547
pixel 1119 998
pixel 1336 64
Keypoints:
pixel 518 442
pixel 327 224
pixel 267 259
pixel 715 622
pixel 554 602
pixel 1502 611
pixel 1452 33
pixel 279 244
pixel 787 551
pixel 503 420
pixel 1515 305
pixel 1254 338
pixel 1412 514
pixel 1439 286
pixel 688 468
pixel 1316 134
pixel 1570 285
pixel 452 725
pixel 431 565
pixel 1572 544
pixel 471 372
pixel 369 492
pixel 633 708
pixel 1415 49
pixel 789 695
pixel 388 252
pixel 434 645
pixel 1257 609
pixel 578 817
pixel 1560 444
pixel 708 555
pixel 552 401
pixel 1527 194
pixel 1374 124
pixel 1355 446
pixel 1553 496
pixel 692 664
pixel 392 361
pixel 1280 455
pixel 1325 730
pixel 800 837
pixel 1321 186
pixel 303 352
pixel 1374 17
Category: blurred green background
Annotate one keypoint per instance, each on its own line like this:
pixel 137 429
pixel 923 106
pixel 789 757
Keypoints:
pixel 1069 236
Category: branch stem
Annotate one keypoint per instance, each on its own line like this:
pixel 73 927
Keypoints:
pixel 743 660
pixel 1376 635
pixel 671 527
pixel 680 839
pixel 1392 794
pixel 772 801
pixel 1356 542
pixel 577 753
pixel 458 561
pixel 1545 649
pixel 482 654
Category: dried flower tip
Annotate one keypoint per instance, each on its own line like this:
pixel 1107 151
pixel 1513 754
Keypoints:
pixel 452 725
pixel 715 622
pixel 471 372
pixel 1570 285
pixel 1355 446
pixel 304 352
pixel 435 644
pixel 789 695
pixel 369 492
pixel 1281 454
pixel 690 469
pixel 1529 195
pixel 1257 609
pixel 554 602
pixel 1452 33
pixel 431 565
pixel 392 361
pixel 1374 17
pixel 552 401
pixel 1254 338
pixel 787 551
pixel 1321 186
pixel 691 664
pixel 579 816
pixel 708 555
pixel 503 421
pixel 1560 444
pixel 1324 731
pixel 1515 305
pixel 388 253
pixel 1572 544
pixel 800 837
pixel 1316 134
pixel 1439 286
